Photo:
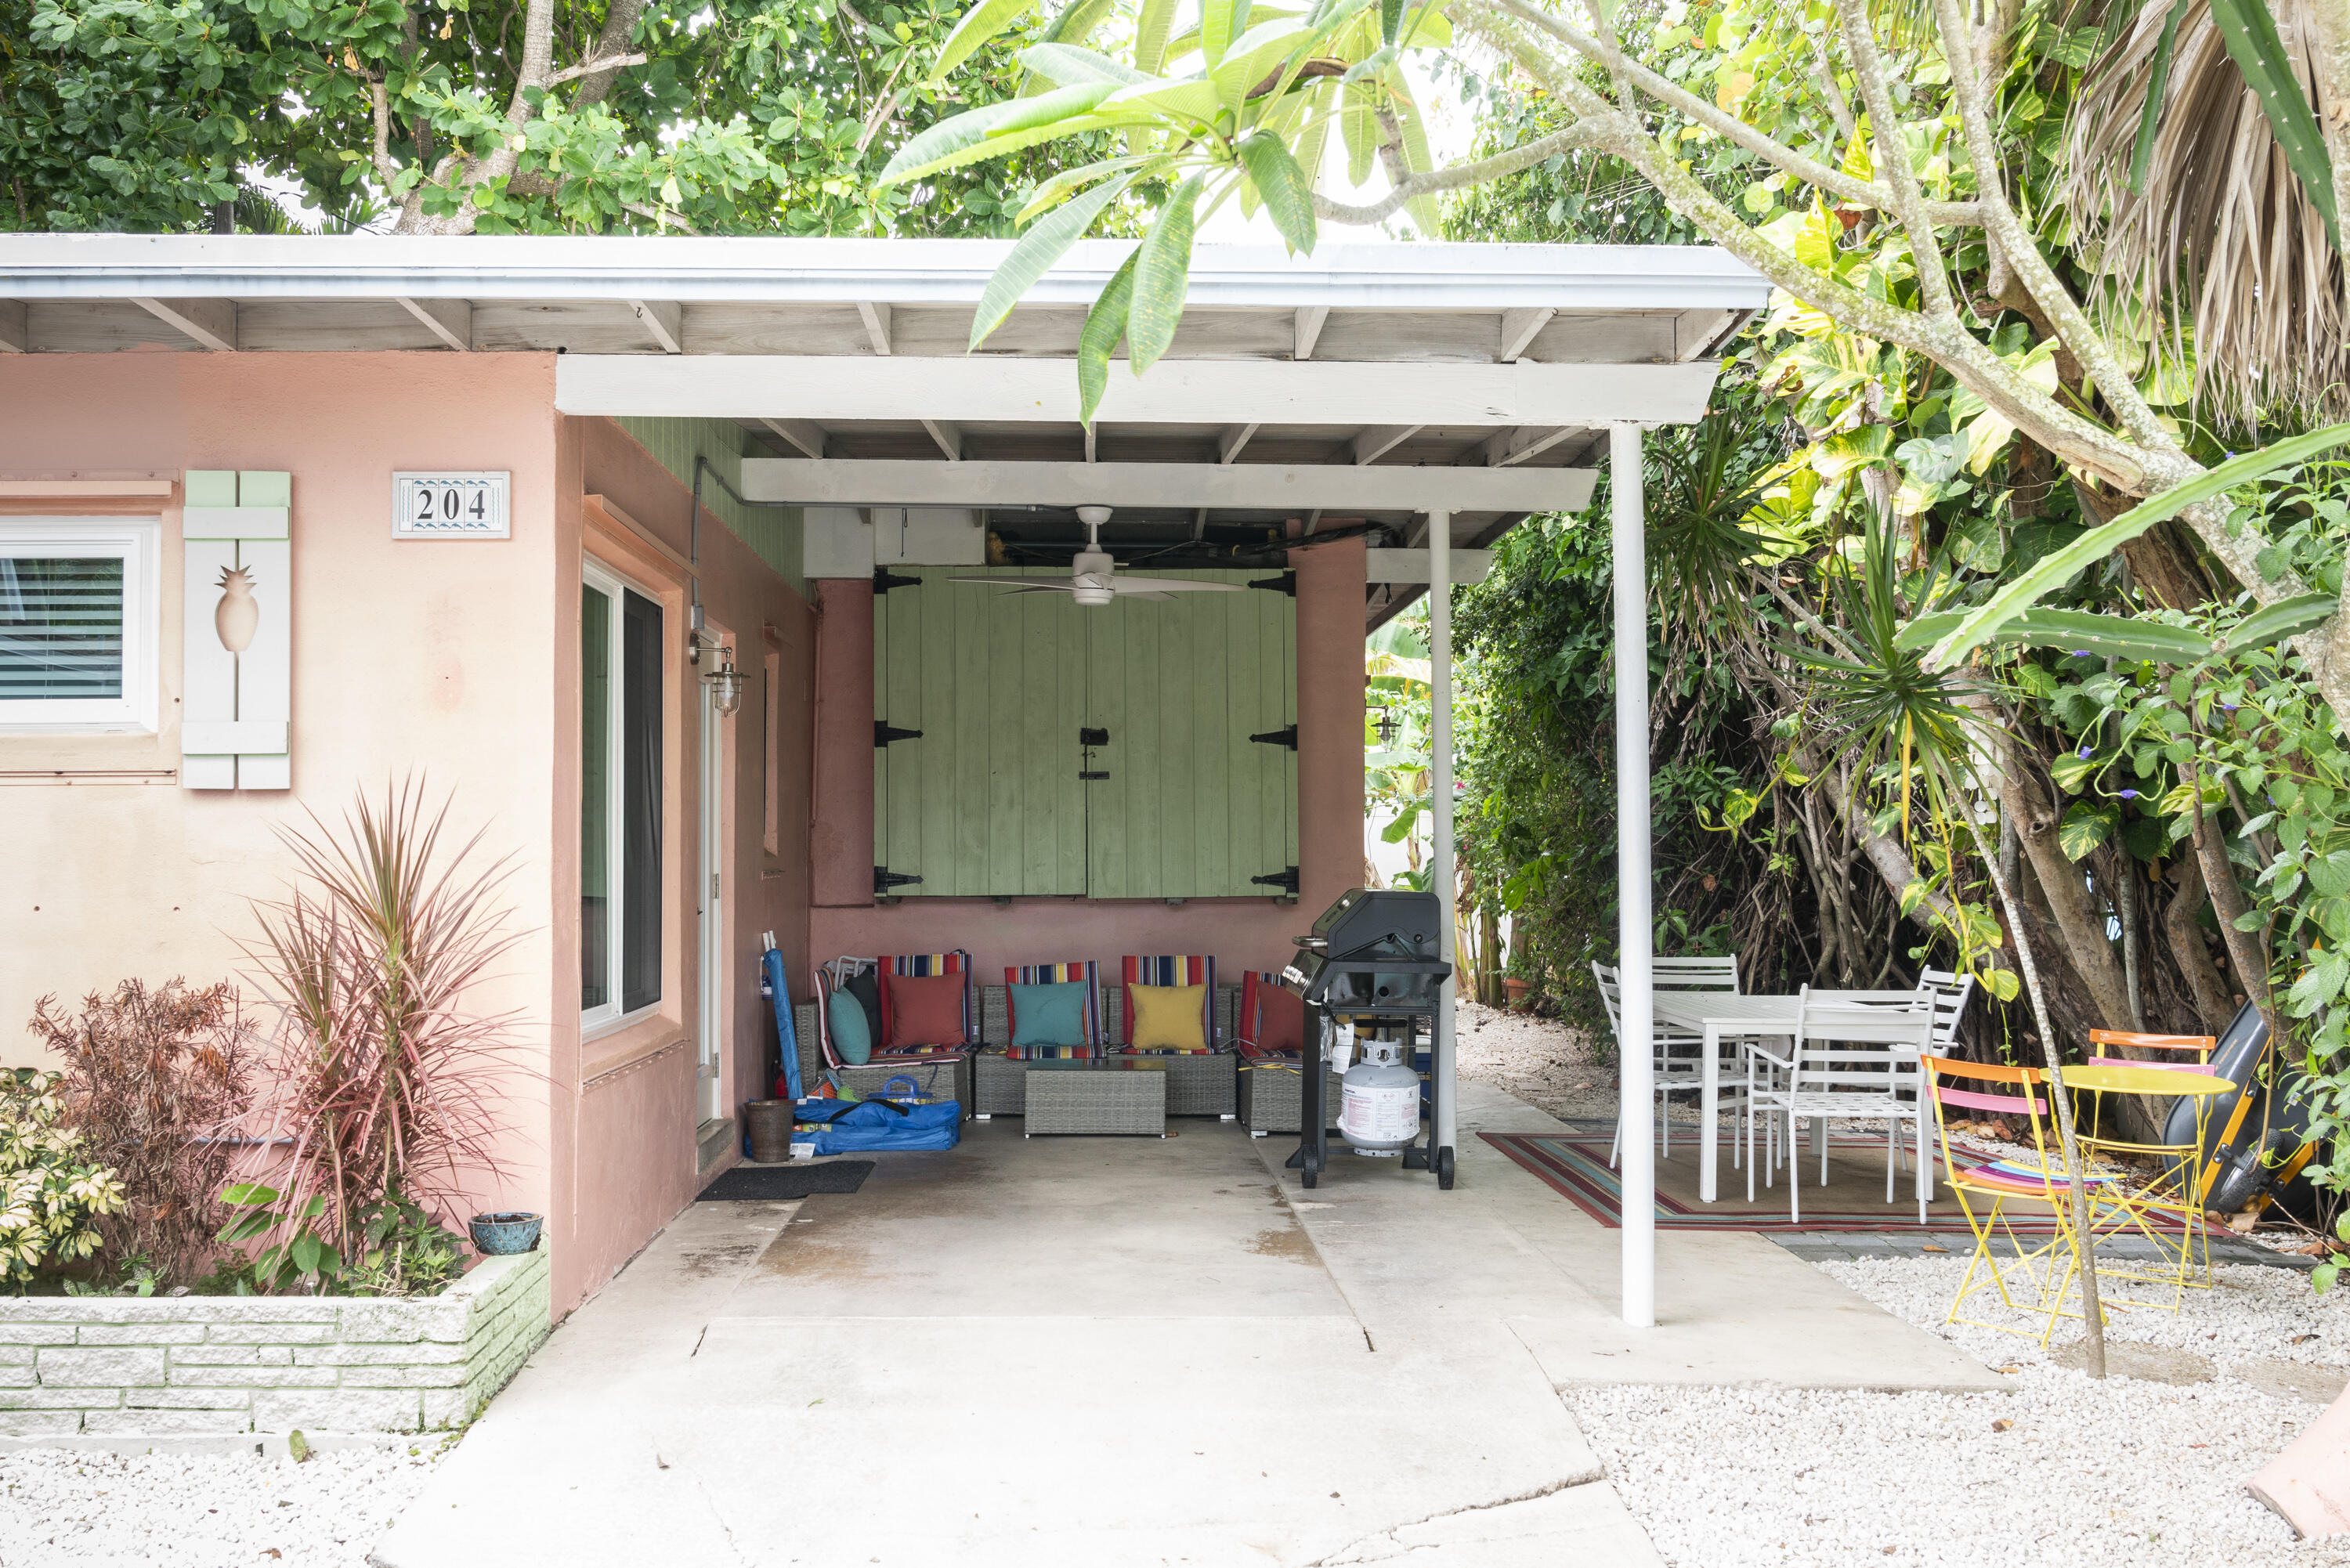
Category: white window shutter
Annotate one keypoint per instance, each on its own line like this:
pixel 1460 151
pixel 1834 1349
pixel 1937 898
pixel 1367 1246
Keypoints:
pixel 236 710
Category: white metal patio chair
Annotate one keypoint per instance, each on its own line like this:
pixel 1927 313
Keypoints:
pixel 1678 1061
pixel 1851 1060
pixel 1952 992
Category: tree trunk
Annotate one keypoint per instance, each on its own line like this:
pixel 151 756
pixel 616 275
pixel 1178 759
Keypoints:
pixel 2078 922
pixel 2185 935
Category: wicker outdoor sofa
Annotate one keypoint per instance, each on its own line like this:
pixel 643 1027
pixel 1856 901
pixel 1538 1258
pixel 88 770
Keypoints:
pixel 989 1086
pixel 1197 1085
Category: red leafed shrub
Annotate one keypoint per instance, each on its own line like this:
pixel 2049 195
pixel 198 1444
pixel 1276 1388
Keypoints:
pixel 149 1079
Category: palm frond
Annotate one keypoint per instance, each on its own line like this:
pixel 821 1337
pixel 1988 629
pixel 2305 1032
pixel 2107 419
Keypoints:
pixel 2219 239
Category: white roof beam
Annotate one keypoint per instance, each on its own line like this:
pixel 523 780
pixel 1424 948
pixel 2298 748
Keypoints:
pixel 664 322
pixel 1518 330
pixel 1342 488
pixel 877 326
pixel 211 322
pixel 15 336
pixel 1233 438
pixel 450 320
pixel 948 436
pixel 1371 445
pixel 1513 447
pixel 1310 318
pixel 806 434
pixel 1216 392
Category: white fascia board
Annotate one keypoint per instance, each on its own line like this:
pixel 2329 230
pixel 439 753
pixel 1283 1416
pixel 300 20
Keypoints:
pixel 1175 392
pixel 1421 276
pixel 849 482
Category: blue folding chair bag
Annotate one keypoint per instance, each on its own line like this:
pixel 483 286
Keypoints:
pixel 854 1127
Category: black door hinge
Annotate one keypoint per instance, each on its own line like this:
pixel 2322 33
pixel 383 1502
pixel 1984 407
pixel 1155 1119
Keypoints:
pixel 884 579
pixel 1093 737
pixel 1284 584
pixel 1286 881
pixel 884 732
pixel 1284 736
pixel 1088 776
pixel 884 879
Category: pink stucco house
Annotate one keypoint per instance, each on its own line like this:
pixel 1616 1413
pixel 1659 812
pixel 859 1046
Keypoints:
pixel 503 503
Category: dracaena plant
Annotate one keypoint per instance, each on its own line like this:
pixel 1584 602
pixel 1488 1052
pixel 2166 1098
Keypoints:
pixel 383 1094
pixel 1240 106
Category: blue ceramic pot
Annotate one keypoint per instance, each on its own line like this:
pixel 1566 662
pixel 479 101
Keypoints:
pixel 502 1235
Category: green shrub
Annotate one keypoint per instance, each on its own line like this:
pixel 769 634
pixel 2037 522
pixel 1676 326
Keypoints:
pixel 51 1194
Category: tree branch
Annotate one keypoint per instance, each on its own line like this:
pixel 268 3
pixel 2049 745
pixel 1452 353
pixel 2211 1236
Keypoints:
pixel 1889 157
pixel 2021 252
pixel 2078 441
pixel 1453 177
pixel 1810 171
pixel 595 67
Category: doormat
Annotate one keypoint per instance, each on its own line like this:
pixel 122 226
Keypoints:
pixel 1854 1198
pixel 775 1183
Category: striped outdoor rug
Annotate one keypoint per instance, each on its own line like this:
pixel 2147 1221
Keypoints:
pixel 1576 1165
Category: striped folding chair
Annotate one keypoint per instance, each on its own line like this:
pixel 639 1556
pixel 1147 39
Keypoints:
pixel 1086 974
pixel 1164 971
pixel 2033 1275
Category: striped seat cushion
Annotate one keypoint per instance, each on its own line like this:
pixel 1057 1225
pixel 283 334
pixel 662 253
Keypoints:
pixel 1174 969
pixel 1088 974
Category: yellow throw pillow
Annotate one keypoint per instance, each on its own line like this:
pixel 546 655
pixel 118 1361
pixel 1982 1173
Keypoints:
pixel 1168 1017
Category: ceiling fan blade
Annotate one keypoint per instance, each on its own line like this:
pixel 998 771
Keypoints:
pixel 1061 584
pixel 1147 595
pixel 1126 584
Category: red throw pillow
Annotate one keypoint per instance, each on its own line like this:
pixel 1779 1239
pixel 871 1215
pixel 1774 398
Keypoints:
pixel 1281 1020
pixel 925 1009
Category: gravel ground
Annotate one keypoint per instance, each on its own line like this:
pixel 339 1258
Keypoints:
pixel 1542 1062
pixel 2059 1469
pixel 204 1510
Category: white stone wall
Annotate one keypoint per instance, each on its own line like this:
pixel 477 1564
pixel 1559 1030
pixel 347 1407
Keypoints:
pixel 173 1367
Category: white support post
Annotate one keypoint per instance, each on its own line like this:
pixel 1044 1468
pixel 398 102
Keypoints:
pixel 1635 933
pixel 1440 789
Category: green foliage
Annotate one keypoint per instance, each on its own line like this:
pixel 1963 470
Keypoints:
pixel 1249 120
pixel 51 1193
pixel 746 116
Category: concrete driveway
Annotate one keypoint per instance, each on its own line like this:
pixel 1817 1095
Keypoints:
pixel 1109 1352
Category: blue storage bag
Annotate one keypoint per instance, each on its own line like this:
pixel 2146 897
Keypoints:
pixel 856 1126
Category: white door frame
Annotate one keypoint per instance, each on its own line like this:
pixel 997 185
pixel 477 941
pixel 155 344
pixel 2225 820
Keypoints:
pixel 709 931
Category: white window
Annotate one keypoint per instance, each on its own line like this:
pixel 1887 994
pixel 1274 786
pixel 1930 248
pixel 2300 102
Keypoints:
pixel 620 799
pixel 78 624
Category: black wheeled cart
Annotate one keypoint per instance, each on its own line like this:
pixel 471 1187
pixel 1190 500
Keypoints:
pixel 1374 958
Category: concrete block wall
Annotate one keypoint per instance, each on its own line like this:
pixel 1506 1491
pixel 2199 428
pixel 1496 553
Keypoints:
pixel 194 1365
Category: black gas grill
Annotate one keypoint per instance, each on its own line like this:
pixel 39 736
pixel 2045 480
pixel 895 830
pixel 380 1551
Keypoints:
pixel 1375 957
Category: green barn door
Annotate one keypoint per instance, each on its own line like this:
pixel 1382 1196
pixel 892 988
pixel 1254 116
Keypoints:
pixel 985 803
pixel 1193 807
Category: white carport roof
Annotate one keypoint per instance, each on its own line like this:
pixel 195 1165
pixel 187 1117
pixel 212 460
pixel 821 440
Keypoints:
pixel 1500 364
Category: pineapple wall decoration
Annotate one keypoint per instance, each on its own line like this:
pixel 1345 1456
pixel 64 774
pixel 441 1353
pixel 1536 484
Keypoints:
pixel 236 707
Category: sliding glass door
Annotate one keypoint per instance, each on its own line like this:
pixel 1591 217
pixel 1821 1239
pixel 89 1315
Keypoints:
pixel 619 799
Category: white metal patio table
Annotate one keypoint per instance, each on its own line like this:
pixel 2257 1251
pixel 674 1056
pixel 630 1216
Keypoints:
pixel 1719 1016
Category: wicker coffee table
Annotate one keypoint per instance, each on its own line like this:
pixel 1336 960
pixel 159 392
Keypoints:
pixel 1099 1099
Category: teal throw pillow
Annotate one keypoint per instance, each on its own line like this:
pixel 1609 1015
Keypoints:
pixel 1049 1014
pixel 852 1036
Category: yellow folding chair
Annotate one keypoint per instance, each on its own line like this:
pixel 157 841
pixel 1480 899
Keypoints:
pixel 2166 1208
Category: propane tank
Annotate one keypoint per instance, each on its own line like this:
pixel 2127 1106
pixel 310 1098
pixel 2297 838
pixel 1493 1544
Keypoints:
pixel 1379 1109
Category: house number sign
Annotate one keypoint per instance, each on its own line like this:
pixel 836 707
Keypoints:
pixel 450 506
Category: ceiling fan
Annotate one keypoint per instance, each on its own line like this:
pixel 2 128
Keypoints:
pixel 1093 576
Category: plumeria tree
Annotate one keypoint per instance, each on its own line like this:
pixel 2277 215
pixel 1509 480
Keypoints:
pixel 1872 134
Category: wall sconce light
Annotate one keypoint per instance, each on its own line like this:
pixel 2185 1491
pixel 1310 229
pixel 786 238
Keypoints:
pixel 725 683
